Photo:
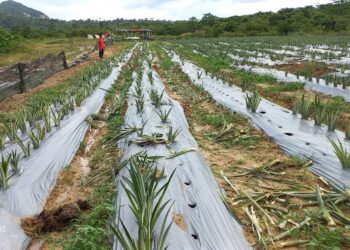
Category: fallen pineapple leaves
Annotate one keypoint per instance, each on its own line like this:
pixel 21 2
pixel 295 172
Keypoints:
pixel 326 201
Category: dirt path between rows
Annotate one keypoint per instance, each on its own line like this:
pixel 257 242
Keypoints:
pixel 69 187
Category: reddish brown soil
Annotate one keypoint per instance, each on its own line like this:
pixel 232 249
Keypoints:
pixel 316 69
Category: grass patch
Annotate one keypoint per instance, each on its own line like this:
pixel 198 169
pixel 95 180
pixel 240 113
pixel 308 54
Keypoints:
pixel 90 229
pixel 215 120
pixel 31 49
pixel 289 87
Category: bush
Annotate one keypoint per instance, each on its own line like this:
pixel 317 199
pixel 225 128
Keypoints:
pixel 6 40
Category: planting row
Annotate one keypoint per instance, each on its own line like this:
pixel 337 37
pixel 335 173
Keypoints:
pixel 27 191
pixel 25 130
pixel 330 84
pixel 165 179
pixel 285 94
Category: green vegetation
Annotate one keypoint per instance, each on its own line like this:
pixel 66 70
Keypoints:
pixel 347 132
pixel 4 172
pixel 320 110
pixel 147 203
pixel 155 97
pixel 90 229
pixel 293 86
pixel 323 19
pixel 341 152
pixel 163 115
pixel 17 9
pixel 252 101
pixel 332 112
pixel 305 107
pixel 7 41
pixel 24 50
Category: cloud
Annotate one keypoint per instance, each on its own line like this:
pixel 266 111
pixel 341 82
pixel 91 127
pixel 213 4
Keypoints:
pixel 158 9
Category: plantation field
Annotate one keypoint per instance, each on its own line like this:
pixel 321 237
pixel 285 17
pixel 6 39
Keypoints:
pixel 283 69
pixel 225 143
pixel 29 50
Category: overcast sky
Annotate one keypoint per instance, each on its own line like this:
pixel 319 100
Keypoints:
pixel 158 9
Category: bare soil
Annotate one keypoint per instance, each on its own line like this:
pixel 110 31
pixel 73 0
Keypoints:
pixel 317 69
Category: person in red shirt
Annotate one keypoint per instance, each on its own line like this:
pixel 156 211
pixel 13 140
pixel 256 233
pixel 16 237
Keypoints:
pixel 101 46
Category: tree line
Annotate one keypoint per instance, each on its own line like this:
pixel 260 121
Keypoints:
pixel 332 18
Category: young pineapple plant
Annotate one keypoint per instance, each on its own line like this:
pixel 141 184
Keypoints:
pixel 79 97
pixel 35 139
pixel 138 90
pixel 252 101
pixel 21 118
pixel 335 82
pixel 295 106
pixel 30 115
pixel 246 85
pixel 150 77
pixel 2 139
pixel 319 109
pixel 332 115
pixel 146 198
pixel 70 104
pixel 305 108
pixel 172 134
pixel 41 131
pixel 26 147
pixel 155 97
pixel 4 172
pixel 46 114
pixel 347 131
pixel 341 153
pixel 140 104
pixel 57 117
pixel 164 115
pixel 13 159
pixel 10 127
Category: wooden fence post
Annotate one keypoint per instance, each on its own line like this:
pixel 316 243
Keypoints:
pixel 65 65
pixel 22 87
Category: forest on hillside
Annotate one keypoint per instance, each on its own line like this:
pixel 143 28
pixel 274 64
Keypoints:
pixel 332 18
pixel 328 18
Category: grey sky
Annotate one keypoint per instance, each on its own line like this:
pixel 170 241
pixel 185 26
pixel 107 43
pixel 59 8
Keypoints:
pixel 158 9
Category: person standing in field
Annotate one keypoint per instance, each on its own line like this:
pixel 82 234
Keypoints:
pixel 101 46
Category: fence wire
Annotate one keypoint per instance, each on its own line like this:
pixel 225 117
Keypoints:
pixel 21 77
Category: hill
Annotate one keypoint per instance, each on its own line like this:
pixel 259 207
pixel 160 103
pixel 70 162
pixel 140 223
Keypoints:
pixel 15 9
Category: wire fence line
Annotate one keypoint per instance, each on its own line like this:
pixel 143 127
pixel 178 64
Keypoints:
pixel 22 77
